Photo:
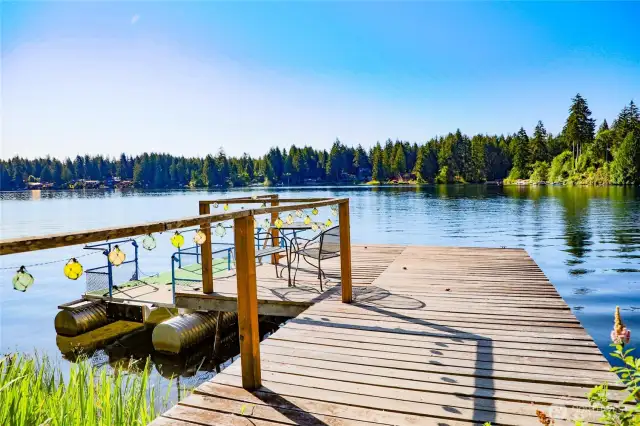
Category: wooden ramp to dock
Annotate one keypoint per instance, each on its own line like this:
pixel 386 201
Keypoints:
pixel 435 336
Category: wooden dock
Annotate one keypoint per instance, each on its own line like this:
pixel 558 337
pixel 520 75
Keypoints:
pixel 435 335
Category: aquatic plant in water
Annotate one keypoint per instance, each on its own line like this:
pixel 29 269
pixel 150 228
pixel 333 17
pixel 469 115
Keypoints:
pixel 33 391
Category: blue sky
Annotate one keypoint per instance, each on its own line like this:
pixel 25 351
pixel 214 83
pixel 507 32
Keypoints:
pixel 191 77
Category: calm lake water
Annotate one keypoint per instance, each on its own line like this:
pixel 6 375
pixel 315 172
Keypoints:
pixel 586 240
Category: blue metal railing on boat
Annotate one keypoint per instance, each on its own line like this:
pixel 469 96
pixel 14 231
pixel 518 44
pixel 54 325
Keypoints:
pixel 107 270
pixel 176 258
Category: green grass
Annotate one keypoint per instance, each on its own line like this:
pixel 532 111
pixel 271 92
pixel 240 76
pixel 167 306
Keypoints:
pixel 34 391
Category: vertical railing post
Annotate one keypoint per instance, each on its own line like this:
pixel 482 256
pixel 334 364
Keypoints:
pixel 207 256
pixel 345 252
pixel 247 303
pixel 275 239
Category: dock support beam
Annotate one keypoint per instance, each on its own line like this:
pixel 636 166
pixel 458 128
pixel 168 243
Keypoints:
pixel 345 252
pixel 247 303
pixel 207 261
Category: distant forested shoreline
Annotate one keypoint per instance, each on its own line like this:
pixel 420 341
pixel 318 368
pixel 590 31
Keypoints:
pixel 577 155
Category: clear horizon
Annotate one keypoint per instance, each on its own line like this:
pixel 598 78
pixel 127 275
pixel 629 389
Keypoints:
pixel 187 79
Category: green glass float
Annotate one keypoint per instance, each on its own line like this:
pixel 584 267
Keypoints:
pixel 221 231
pixel 149 242
pixel 22 280
pixel 73 269
pixel 117 256
pixel 177 240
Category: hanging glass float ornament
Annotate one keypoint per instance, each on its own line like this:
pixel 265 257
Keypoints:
pixel 149 242
pixel 254 197
pixel 226 207
pixel 22 280
pixel 314 211
pixel 278 223
pixel 117 256
pixel 215 204
pixel 299 213
pixel 73 269
pixel 289 219
pixel 307 220
pixel 263 205
pixel 334 209
pixel 221 231
pixel 328 223
pixel 266 224
pixel 314 227
pixel 323 227
pixel 177 240
pixel 199 238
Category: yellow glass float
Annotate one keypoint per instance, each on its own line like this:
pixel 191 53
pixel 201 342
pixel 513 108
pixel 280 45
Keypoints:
pixel 328 223
pixel 177 240
pixel 199 238
pixel 278 223
pixel 226 207
pixel 22 280
pixel 73 269
pixel 314 211
pixel 117 256
pixel 307 220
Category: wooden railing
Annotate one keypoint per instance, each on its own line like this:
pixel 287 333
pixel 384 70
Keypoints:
pixel 245 256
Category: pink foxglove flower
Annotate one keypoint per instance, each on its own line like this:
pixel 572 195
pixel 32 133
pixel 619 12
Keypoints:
pixel 620 335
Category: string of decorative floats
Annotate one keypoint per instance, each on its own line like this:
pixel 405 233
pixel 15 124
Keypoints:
pixel 73 269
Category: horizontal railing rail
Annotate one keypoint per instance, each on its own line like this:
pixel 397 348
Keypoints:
pixel 43 242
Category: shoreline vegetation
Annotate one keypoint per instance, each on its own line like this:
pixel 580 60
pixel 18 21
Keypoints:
pixel 578 155
pixel 34 391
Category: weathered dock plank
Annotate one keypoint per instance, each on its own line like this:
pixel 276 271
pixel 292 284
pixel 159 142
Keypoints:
pixel 435 335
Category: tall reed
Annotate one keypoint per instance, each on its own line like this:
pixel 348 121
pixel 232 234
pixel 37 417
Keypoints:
pixel 33 391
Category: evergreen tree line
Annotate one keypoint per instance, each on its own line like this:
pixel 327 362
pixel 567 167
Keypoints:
pixel 579 154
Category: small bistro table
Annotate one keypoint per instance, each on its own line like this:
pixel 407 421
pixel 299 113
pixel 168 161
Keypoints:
pixel 291 241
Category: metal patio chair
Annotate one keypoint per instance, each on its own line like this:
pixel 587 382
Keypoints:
pixel 264 247
pixel 325 245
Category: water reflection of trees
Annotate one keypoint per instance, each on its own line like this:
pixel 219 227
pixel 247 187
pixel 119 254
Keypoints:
pixel 577 232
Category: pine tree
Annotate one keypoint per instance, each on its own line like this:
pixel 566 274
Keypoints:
pixel 399 163
pixel 137 175
pixel 580 127
pixel 538 149
pixel 520 153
